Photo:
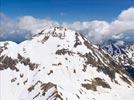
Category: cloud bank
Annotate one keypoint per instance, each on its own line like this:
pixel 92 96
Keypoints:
pixel 96 31
pixel 24 24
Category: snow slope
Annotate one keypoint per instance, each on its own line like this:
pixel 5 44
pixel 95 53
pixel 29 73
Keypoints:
pixel 61 64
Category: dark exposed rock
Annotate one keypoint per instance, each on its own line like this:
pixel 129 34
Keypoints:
pixel 57 64
pixel 86 42
pixel 56 34
pixel 45 39
pixel 41 32
pixel 36 95
pixel 2 48
pixel 8 62
pixel 84 68
pixel 77 41
pixel 51 71
pixel 96 82
pixel 100 82
pixel 58 45
pixel 13 80
pixel 77 96
pixel 26 61
pixel 31 88
pixel 89 86
pixel 130 70
pixel 125 79
pixel 108 71
pixel 46 86
pixel 74 71
pixel 21 75
pixel 64 51
pixel 25 81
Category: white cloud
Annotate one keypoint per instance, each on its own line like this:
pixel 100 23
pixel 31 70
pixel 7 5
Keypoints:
pixel 34 25
pixel 124 22
pixel 6 24
pixel 97 31
pixel 24 24
pixel 127 15
pixel 94 30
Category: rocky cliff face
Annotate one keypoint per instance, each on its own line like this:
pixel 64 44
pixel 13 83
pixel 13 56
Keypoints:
pixel 61 64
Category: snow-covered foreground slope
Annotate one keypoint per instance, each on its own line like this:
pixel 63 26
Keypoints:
pixel 60 64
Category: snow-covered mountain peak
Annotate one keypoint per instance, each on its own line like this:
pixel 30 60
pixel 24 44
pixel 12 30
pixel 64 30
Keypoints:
pixel 61 64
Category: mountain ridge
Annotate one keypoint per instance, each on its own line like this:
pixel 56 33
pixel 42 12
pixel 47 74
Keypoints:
pixel 61 64
pixel 123 54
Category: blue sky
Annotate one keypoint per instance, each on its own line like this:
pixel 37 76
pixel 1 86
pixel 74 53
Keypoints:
pixel 98 20
pixel 66 10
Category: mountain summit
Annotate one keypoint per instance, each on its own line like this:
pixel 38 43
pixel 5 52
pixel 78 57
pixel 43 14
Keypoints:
pixel 61 64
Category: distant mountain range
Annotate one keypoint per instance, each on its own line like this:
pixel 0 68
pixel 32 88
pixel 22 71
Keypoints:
pixel 123 54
